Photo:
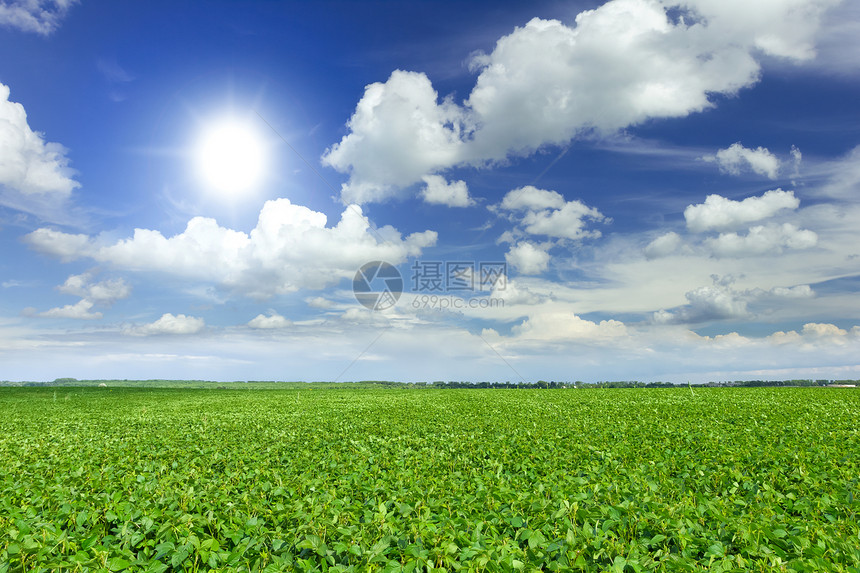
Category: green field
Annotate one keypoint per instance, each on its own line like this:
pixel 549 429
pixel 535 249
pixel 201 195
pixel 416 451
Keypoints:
pixel 363 479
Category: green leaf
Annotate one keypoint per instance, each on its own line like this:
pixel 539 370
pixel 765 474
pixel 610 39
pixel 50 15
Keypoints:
pixel 118 564
pixel 156 567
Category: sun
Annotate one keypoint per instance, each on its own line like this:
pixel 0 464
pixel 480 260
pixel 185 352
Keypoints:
pixel 230 157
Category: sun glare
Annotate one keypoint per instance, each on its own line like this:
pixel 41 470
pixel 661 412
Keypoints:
pixel 230 158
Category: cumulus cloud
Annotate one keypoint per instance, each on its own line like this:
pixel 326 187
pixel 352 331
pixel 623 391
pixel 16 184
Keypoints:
pixel 65 246
pixel 168 324
pixel 319 302
pixel 718 213
pixel 513 293
pixel 762 240
pixel 28 164
pixel 289 249
pixel 663 246
pixel 528 258
pixel 272 321
pixel 816 333
pixel 39 16
pixel 567 326
pixel 625 62
pixel 719 301
pixel 543 212
pixel 530 198
pixel 736 158
pixel 797 292
pixel 705 303
pixel 547 82
pixel 822 330
pixel 440 192
pixel 547 213
pixel 566 223
pixel 80 310
pixel 400 131
pixel 104 292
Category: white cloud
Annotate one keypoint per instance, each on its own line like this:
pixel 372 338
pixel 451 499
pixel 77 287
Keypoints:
pixel 718 213
pixel 736 158
pixel 622 63
pixel 398 133
pixel 508 237
pixel 530 198
pixel 566 223
pixel 289 249
pixel 528 258
pixel 546 82
pixel 559 326
pixel 39 16
pixel 782 28
pixel 542 212
pixel 842 177
pixel 819 330
pixel 799 291
pixel 79 310
pixel 363 316
pixel 168 324
pixel 66 246
pixel 515 293
pixel 819 244
pixel 839 41
pixel 105 292
pixel 440 192
pixel 796 159
pixel 28 164
pixel 705 303
pixel 319 302
pixel 273 320
pixel 816 334
pixel 720 301
pixel 762 240
pixel 663 246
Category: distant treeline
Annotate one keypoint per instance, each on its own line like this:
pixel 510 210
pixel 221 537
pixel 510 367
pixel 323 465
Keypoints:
pixel 540 384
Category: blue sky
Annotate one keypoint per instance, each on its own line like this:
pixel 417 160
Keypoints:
pixel 188 190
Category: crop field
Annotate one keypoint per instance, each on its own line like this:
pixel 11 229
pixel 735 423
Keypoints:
pixel 363 479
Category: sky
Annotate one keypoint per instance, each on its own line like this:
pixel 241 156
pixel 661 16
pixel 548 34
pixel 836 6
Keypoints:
pixel 517 191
